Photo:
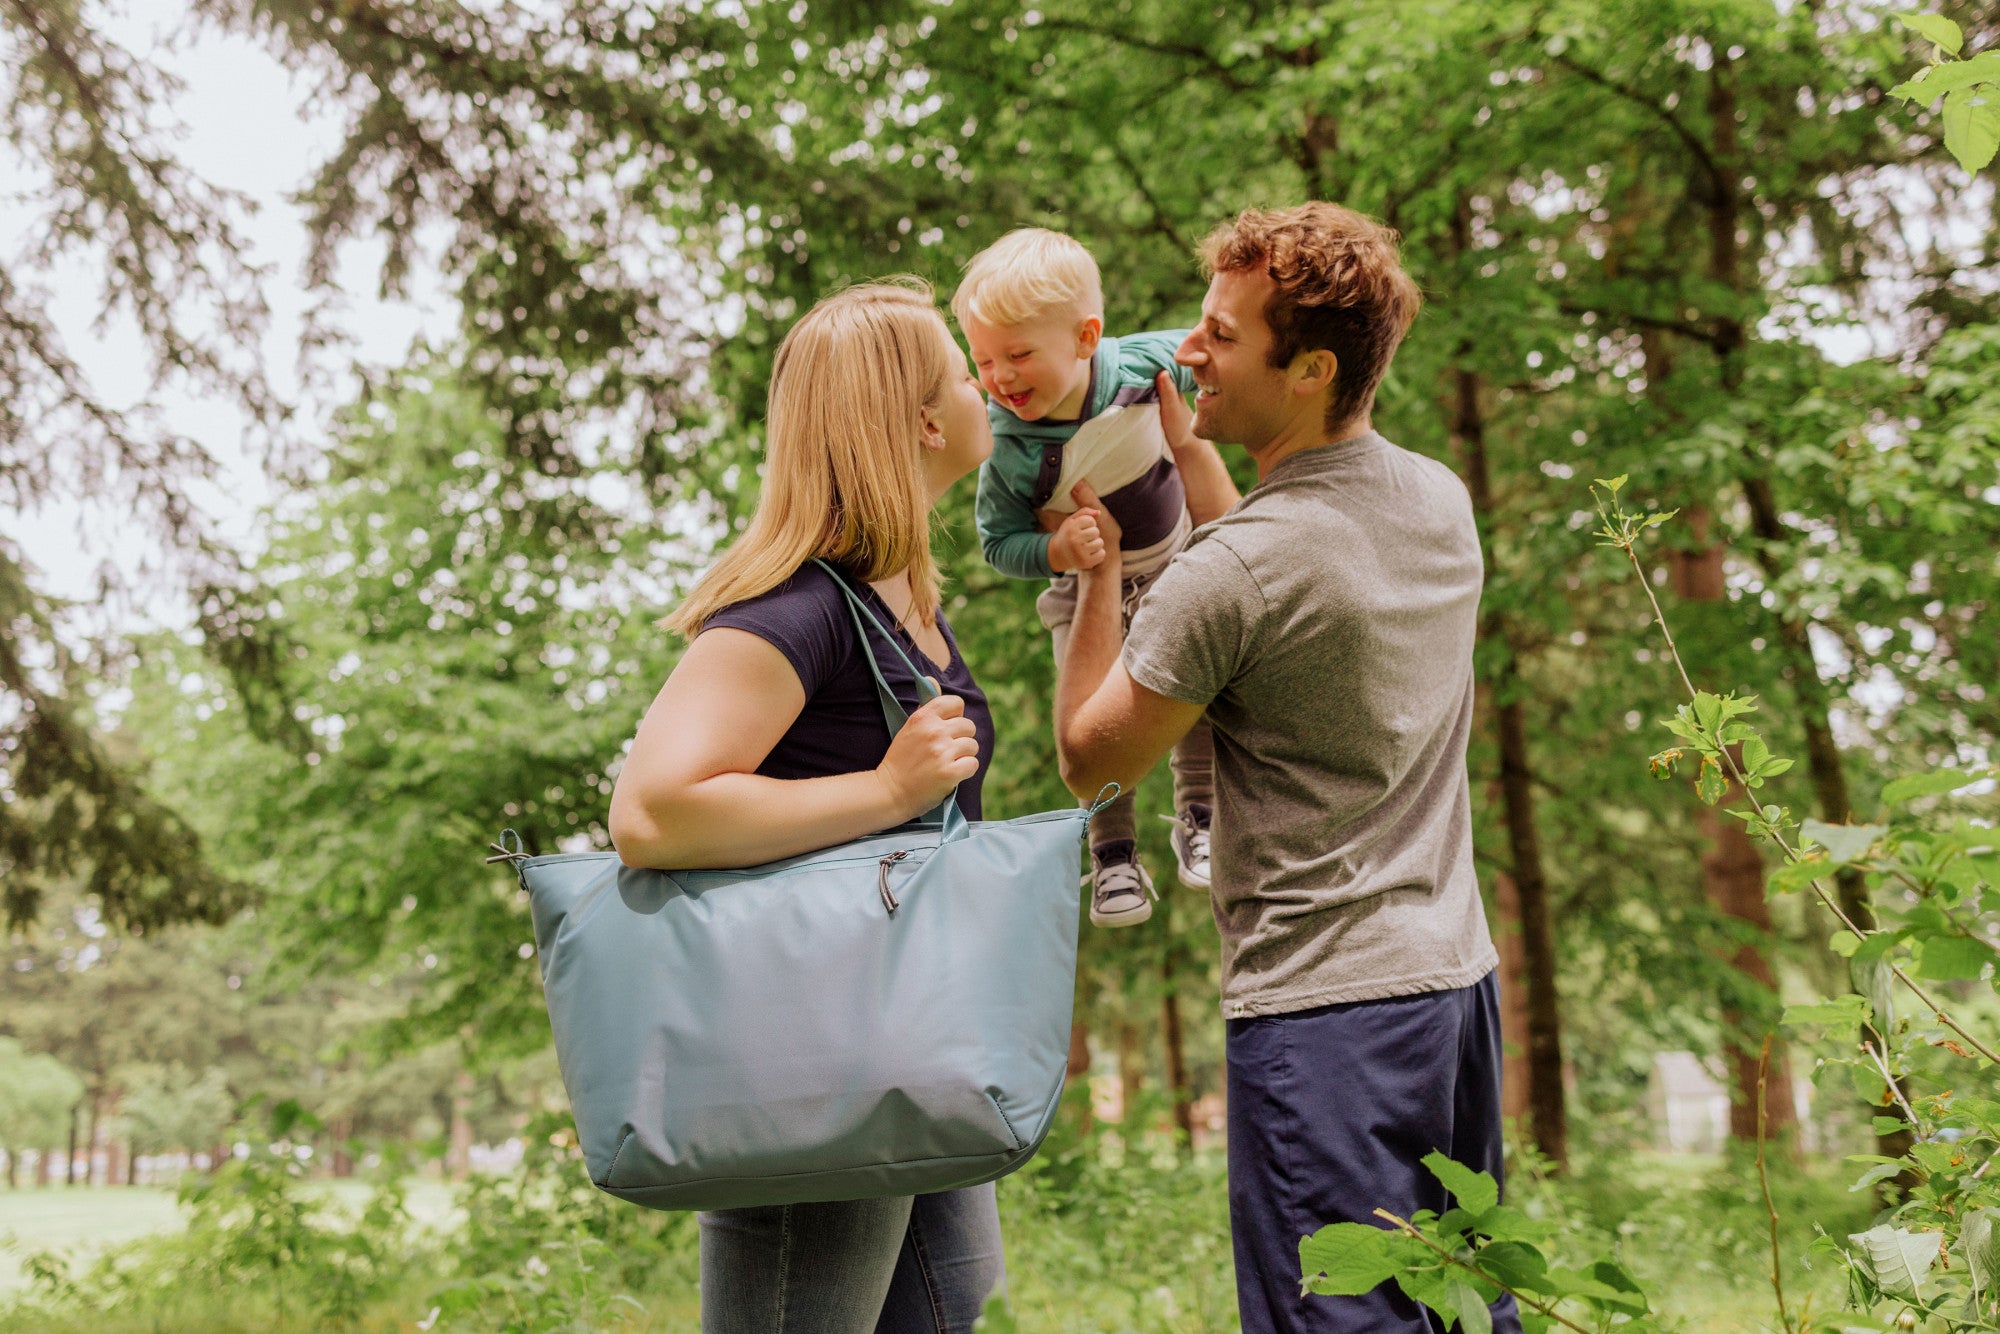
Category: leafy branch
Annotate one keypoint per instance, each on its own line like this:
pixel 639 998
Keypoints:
pixel 1970 89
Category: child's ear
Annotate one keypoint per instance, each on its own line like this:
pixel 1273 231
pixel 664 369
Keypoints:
pixel 1089 330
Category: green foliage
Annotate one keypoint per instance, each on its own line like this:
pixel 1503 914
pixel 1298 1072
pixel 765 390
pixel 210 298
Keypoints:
pixel 37 1093
pixel 171 1107
pixel 1970 89
pixel 1459 1263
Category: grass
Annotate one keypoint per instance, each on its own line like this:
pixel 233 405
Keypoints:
pixel 1096 1245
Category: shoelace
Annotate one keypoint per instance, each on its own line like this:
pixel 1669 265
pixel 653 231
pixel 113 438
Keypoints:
pixel 1197 836
pixel 1111 884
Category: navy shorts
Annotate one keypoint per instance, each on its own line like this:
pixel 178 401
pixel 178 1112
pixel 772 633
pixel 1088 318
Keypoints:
pixel 1331 1112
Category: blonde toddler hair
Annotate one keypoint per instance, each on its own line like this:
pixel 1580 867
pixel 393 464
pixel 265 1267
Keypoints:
pixel 843 451
pixel 1027 273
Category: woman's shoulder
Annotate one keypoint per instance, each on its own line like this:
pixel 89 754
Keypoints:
pixel 804 618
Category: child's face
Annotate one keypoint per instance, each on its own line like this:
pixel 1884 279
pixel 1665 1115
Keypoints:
pixel 1039 368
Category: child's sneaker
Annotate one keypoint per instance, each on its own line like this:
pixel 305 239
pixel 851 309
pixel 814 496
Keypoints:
pixel 1190 840
pixel 1121 892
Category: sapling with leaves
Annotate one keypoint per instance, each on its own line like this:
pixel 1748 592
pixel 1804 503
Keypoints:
pixel 1934 882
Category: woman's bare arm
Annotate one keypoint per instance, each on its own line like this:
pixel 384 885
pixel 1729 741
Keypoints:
pixel 689 796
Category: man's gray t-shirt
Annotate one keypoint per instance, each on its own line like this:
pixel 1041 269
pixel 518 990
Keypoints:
pixel 1327 622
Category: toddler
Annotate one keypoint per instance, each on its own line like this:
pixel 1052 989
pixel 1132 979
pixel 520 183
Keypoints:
pixel 1070 405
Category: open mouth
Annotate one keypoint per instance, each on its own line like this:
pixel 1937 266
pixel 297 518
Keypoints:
pixel 1018 400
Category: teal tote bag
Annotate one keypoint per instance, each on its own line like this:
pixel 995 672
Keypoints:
pixel 886 1017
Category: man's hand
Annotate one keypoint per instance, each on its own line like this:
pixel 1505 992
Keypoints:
pixel 1210 492
pixel 1079 541
pixel 1176 417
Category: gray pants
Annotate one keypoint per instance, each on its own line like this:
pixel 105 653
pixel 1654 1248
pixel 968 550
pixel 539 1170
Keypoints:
pixel 1193 757
pixel 922 1265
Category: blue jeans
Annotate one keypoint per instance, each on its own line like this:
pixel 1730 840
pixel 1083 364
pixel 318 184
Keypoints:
pixel 922 1265
pixel 1331 1111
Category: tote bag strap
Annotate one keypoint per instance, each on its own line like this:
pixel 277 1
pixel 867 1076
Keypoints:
pixel 946 814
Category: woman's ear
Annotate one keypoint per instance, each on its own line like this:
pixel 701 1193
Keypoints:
pixel 929 433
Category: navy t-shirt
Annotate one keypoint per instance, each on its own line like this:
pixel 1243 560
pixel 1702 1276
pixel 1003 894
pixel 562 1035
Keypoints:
pixel 841 730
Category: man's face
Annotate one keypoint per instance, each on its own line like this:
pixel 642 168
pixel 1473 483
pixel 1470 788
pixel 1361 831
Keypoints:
pixel 1039 368
pixel 1243 399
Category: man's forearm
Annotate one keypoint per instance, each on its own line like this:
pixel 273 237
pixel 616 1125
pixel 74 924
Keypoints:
pixel 1211 492
pixel 1094 641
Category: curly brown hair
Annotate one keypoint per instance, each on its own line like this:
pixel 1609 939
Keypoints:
pixel 1341 287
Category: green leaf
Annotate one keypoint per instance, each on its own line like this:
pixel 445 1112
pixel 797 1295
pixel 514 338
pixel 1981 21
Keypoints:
pixel 1879 1172
pixel 1977 1239
pixel 1506 1223
pixel 1874 979
pixel 1712 785
pixel 1953 959
pixel 1890 1125
pixel 1793 877
pixel 1347 1259
pixel 1844 843
pixel 1431 1287
pixel 1473 1317
pixel 1843 942
pixel 1612 484
pixel 1613 1275
pixel 1591 1288
pixel 1935 81
pixel 1475 1191
pixel 1927 785
pixel 1896 1258
pixel 1843 1016
pixel 1514 1265
pixel 1972 126
pixel 1940 30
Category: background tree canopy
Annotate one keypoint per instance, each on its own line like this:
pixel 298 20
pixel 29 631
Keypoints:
pixel 1697 243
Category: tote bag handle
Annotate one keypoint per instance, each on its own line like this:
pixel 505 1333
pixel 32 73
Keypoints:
pixel 946 814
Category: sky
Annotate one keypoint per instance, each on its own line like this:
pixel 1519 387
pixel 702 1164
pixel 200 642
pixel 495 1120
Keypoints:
pixel 246 125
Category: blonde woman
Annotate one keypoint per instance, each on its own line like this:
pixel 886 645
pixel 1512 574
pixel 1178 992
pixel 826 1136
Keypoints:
pixel 768 740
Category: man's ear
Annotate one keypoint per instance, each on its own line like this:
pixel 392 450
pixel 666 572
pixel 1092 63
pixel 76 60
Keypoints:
pixel 1313 370
pixel 1089 330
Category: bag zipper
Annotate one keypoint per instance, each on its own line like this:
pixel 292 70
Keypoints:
pixel 889 899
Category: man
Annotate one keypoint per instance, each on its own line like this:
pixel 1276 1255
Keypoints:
pixel 1324 625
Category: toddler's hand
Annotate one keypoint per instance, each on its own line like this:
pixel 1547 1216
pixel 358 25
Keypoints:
pixel 1106 526
pixel 1078 543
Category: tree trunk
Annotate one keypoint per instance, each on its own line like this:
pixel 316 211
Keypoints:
pixel 90 1140
pixel 42 1167
pixel 340 1133
pixel 1732 873
pixel 1514 1078
pixel 1548 1116
pixel 1131 1074
pixel 1177 1076
pixel 131 1164
pixel 69 1163
pixel 13 1169
pixel 458 1157
pixel 1079 1068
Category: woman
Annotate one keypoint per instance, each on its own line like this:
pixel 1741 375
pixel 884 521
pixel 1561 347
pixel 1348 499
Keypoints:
pixel 768 740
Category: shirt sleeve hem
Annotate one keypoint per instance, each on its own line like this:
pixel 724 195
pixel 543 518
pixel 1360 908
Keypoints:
pixel 1157 681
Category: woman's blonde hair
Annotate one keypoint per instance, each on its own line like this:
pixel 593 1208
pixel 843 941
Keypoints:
pixel 843 477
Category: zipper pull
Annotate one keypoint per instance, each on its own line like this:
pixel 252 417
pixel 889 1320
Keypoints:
pixel 889 900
